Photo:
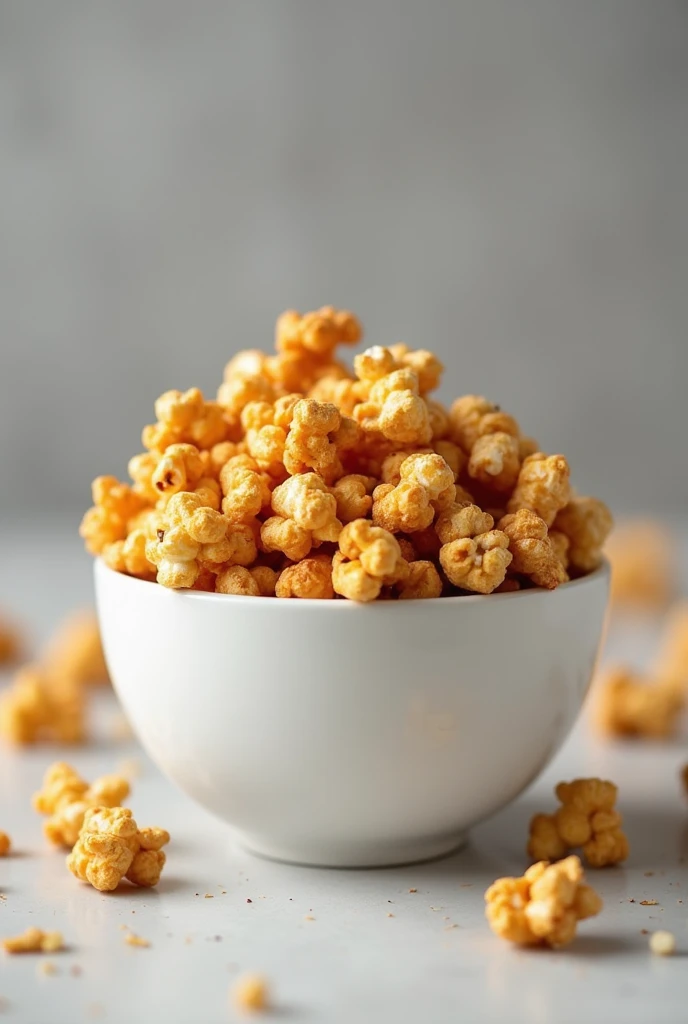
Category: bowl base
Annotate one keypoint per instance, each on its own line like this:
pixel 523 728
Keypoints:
pixel 363 855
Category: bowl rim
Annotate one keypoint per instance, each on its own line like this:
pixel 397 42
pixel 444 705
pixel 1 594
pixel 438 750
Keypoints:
pixel 602 572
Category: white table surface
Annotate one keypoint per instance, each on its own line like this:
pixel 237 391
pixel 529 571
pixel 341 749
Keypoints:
pixel 434 960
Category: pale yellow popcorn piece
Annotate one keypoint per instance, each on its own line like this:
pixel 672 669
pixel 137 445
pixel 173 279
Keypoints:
pixel 250 994
pixel 642 556
pixel 671 664
pixel 663 943
pixel 587 818
pixel 66 797
pixel 542 486
pixel 34 940
pixel 111 846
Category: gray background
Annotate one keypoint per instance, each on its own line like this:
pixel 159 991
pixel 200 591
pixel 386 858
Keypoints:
pixel 505 183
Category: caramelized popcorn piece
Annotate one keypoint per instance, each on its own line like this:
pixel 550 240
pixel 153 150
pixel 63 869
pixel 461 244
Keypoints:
pixel 495 461
pixel 250 994
pixel 423 581
pixel 473 416
pixel 352 494
pixel 424 364
pixel 426 483
pixel 5 844
pixel 185 418
pixel 542 486
pixel 473 555
pixel 114 504
pixel 280 534
pixel 110 847
pixel 587 523
pixel 628 705
pixel 671 666
pixel 237 580
pixel 641 553
pixel 307 500
pixel 180 469
pixel 66 797
pixel 9 642
pixel 246 490
pixel 309 578
pixel 533 553
pixel 395 409
pixel 39 707
pixel 319 332
pixel 34 940
pixel 76 652
pixel 586 818
pixel 543 907
pixel 368 559
pixel 265 579
pixel 317 435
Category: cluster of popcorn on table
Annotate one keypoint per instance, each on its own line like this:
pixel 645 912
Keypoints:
pixel 304 479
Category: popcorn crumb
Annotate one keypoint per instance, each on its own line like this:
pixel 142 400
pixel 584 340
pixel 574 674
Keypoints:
pixel 136 940
pixel 34 940
pixel 390 915
pixel 663 943
pixel 413 890
pixel 250 993
pixel 309 917
pixel 47 967
pixel 649 903
pixel 5 844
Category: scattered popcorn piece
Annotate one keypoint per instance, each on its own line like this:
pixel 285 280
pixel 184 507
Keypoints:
pixel 641 553
pixel 671 666
pixel 533 552
pixel 132 939
pixel 250 994
pixel 76 652
pixel 34 940
pixel 587 818
pixel 628 705
pixel 111 847
pixel 38 707
pixel 5 844
pixel 66 797
pixel 543 907
pixel 663 943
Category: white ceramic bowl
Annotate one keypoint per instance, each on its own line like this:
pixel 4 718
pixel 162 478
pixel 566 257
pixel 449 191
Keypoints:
pixel 331 733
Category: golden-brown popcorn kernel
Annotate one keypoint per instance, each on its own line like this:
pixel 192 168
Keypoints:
pixel 544 841
pixel 373 364
pixel 307 500
pixel 180 468
pixel 532 550
pixel 248 362
pixel 587 523
pixel 425 365
pixel 318 332
pixel 641 553
pixel 234 395
pixel 586 818
pixel 75 650
pixel 478 564
pixel 265 579
pixel 352 494
pixel 377 549
pixel 404 508
pixel 422 581
pixel 339 391
pixel 34 940
pixel 179 408
pixel 105 848
pixel 310 442
pixel 185 418
pixel 39 706
pixel 671 665
pixel 66 797
pixel 250 994
pixel 141 468
pixel 246 491
pixel 628 705
pixel 391 466
pixel 439 420
pixel 5 844
pixel 473 416
pixel 542 486
pixel 452 455
pixel 462 520
pixel 310 578
pixel 351 581
pixel 560 545
pixel 280 534
pixel 237 547
pixel 131 556
pixel 495 461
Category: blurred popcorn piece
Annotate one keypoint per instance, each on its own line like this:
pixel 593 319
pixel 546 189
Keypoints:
pixel 671 665
pixel 630 705
pixel 10 644
pixel 75 650
pixel 641 553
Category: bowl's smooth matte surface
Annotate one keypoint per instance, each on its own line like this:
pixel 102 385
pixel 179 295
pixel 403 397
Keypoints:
pixel 337 734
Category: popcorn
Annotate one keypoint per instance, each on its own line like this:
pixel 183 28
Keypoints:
pixel 542 486
pixel 586 522
pixel 66 797
pixel 309 578
pixel 76 652
pixel 543 907
pixel 230 496
pixel 34 940
pixel 111 847
pixel 473 555
pixel 641 553
pixel 663 943
pixel 628 705
pixel 368 559
pixel 533 553
pixel 5 844
pixel 251 994
pixel 9 642
pixel 39 707
pixel 587 818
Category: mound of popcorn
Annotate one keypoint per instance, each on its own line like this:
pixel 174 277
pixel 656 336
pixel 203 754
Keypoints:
pixel 543 907
pixel 65 798
pixel 587 818
pixel 110 847
pixel 305 479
